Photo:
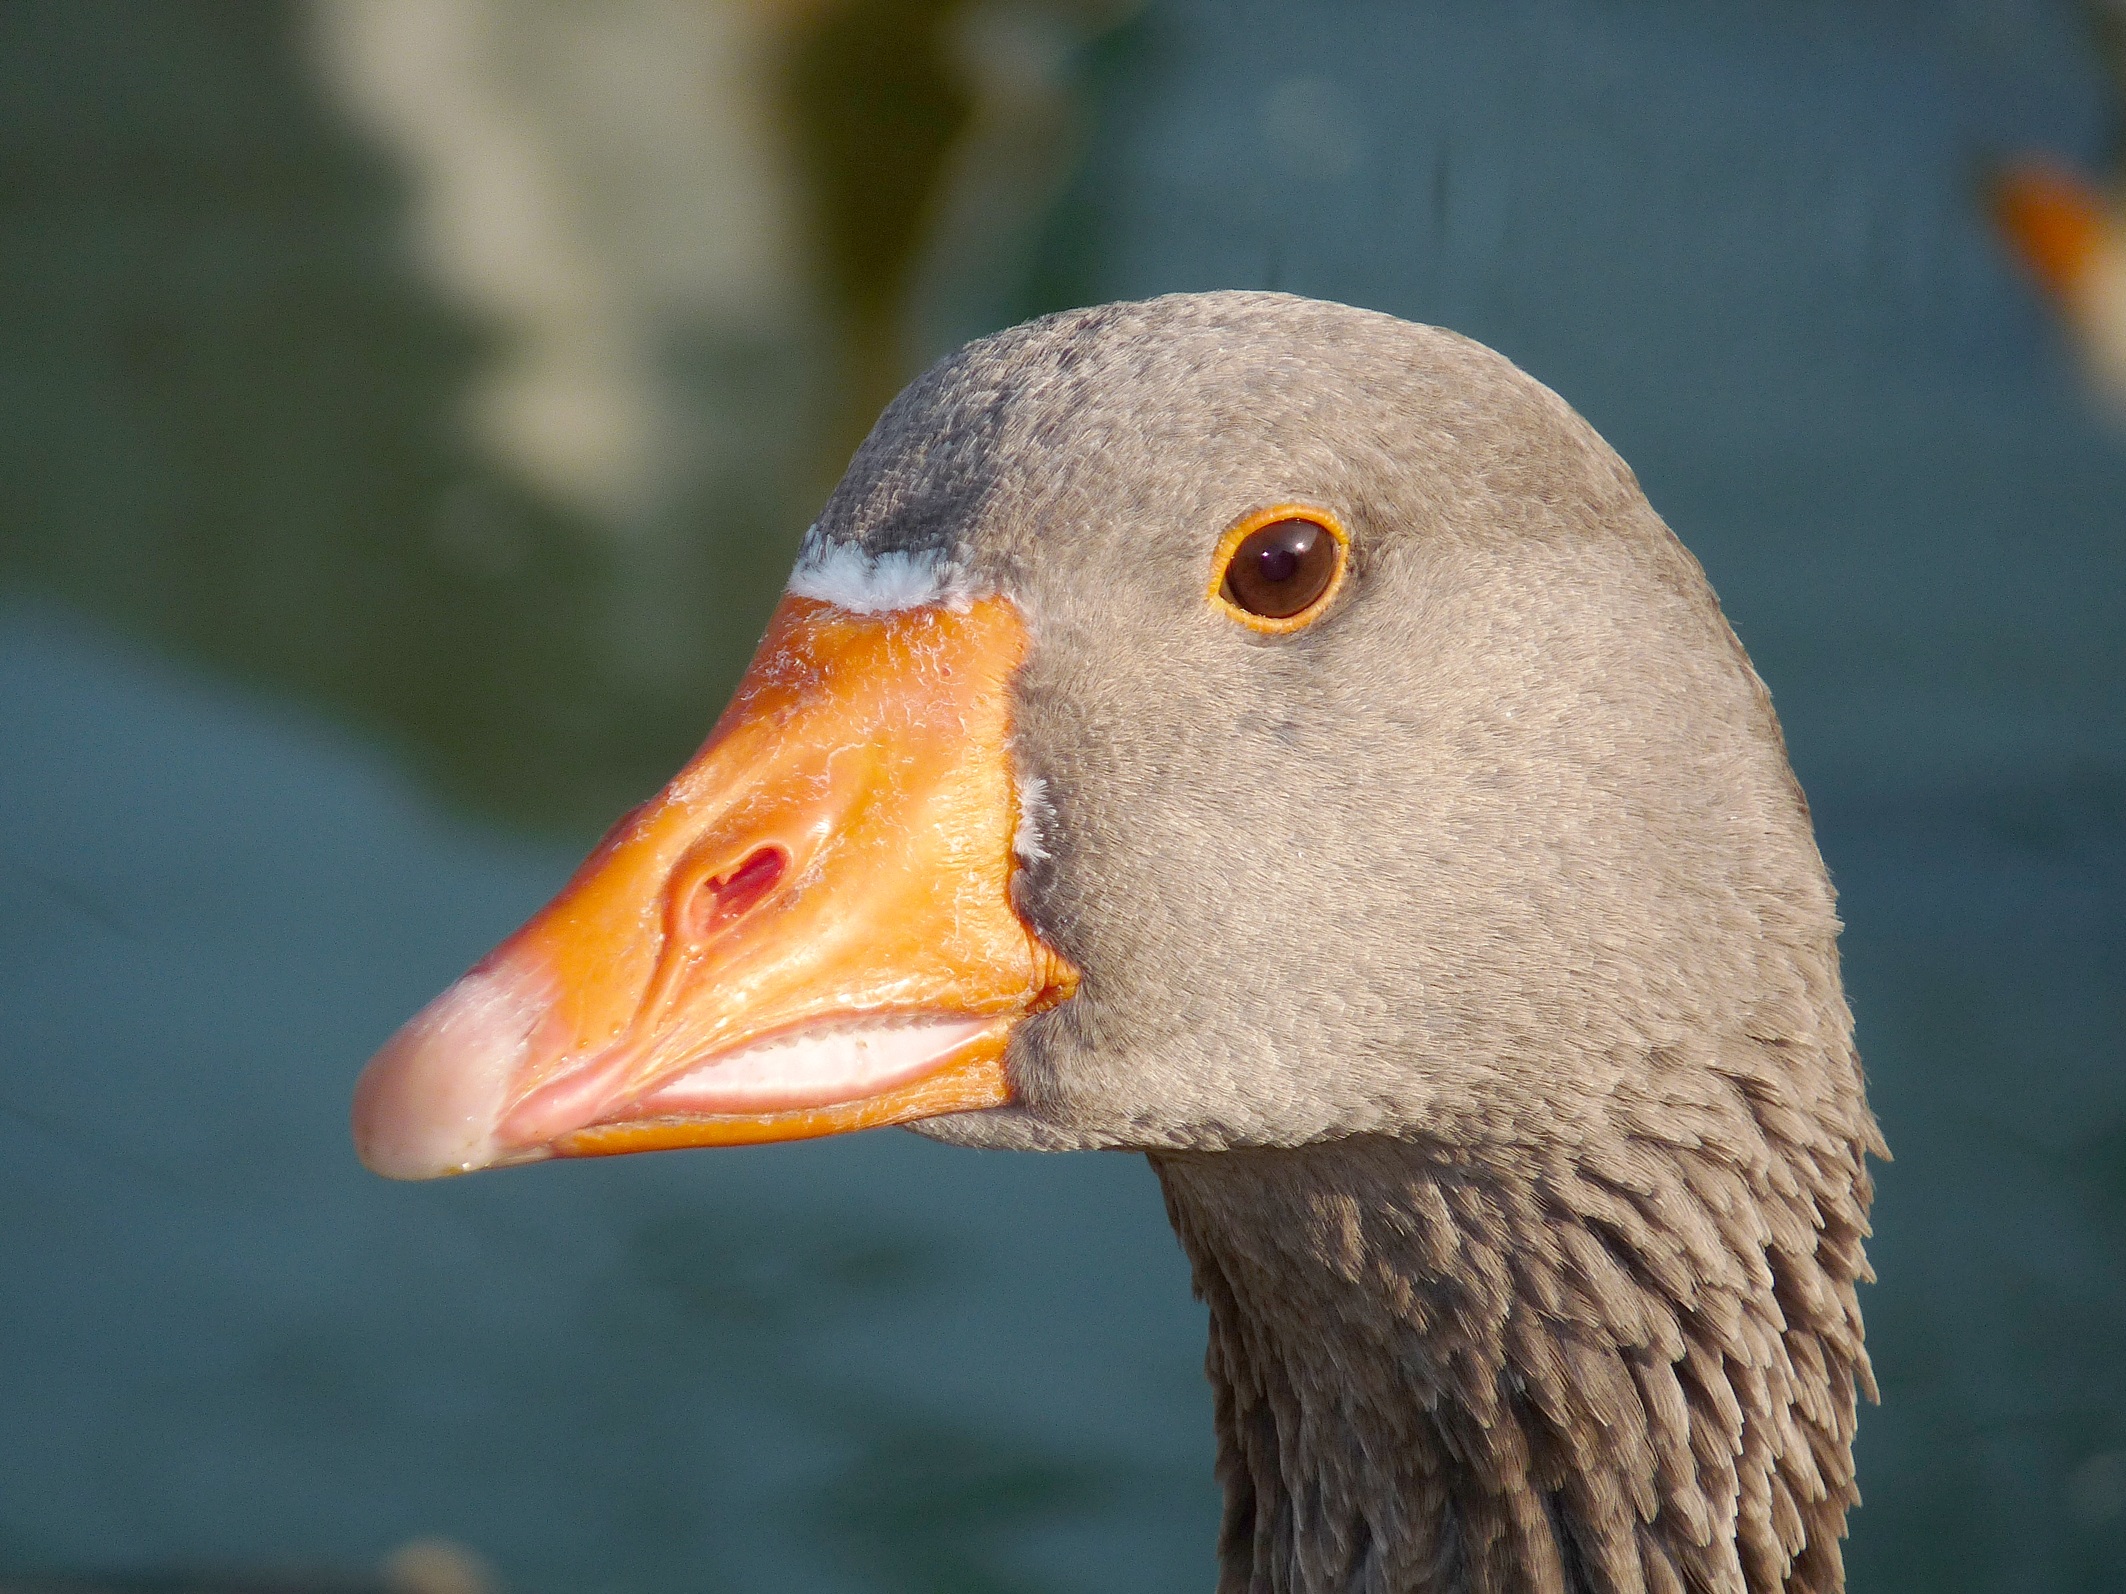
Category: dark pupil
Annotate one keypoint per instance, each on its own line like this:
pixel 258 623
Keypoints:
pixel 1281 569
pixel 1277 564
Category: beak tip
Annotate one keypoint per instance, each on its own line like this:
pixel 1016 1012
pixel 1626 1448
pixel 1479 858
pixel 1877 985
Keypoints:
pixel 428 1104
pixel 396 1143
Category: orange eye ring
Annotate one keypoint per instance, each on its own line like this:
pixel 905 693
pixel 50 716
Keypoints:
pixel 1221 593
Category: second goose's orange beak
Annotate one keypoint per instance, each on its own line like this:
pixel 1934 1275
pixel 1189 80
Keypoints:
pixel 809 930
pixel 2056 224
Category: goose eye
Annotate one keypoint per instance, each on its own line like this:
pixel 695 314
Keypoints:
pixel 1278 568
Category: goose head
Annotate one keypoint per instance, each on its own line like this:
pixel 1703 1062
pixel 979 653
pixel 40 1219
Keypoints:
pixel 1282 740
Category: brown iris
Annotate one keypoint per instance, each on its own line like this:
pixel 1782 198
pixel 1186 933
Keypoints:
pixel 1278 567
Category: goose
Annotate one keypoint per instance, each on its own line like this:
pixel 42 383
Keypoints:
pixel 2068 233
pixel 1282 740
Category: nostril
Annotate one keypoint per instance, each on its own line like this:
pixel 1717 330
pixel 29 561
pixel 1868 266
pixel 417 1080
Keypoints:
pixel 723 899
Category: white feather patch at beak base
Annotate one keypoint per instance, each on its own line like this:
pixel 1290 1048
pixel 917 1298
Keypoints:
pixel 1034 815
pixel 844 575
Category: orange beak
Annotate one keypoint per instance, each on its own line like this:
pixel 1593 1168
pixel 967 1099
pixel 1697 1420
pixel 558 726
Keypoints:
pixel 808 931
pixel 2056 223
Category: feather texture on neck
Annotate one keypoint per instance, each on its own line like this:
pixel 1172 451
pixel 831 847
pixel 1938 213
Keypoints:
pixel 1618 1351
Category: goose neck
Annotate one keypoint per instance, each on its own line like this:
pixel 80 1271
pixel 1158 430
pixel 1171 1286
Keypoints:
pixel 1441 1370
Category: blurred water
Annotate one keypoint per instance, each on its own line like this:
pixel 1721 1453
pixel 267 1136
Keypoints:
pixel 1742 241
pixel 227 1343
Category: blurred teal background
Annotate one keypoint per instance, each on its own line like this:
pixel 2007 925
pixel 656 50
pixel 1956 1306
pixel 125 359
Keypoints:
pixel 410 407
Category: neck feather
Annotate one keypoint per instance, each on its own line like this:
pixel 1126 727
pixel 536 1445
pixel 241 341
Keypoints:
pixel 1621 1354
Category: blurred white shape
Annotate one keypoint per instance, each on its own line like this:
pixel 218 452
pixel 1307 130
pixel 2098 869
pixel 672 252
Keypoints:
pixel 1021 62
pixel 606 183
pixel 2099 314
